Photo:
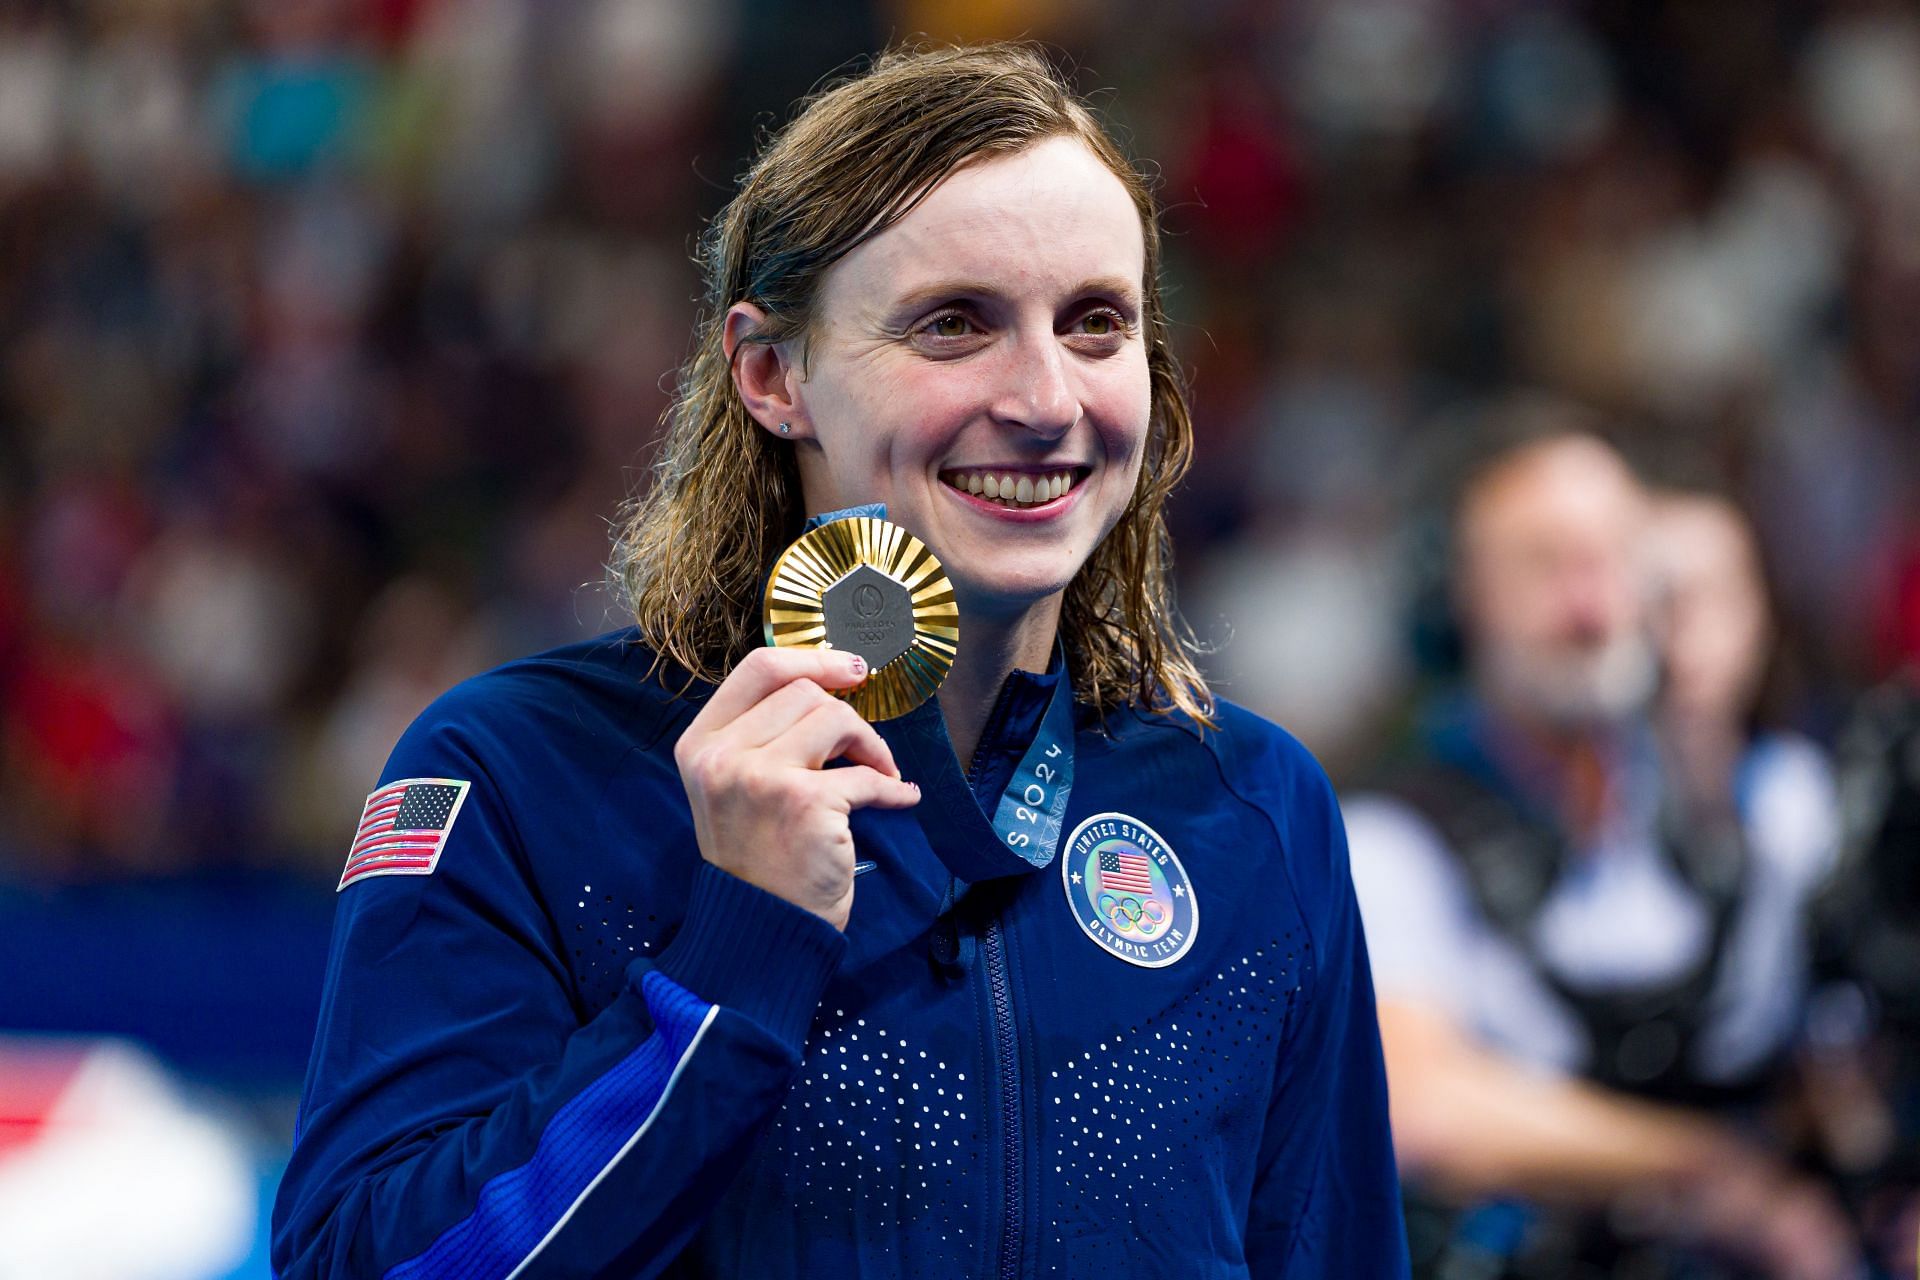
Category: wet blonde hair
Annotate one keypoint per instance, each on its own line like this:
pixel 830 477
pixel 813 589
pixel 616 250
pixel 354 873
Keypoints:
pixel 691 554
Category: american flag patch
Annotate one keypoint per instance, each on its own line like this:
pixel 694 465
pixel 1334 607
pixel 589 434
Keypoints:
pixel 1125 872
pixel 403 828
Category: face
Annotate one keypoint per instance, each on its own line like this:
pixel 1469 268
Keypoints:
pixel 1551 585
pixel 1711 607
pixel 980 367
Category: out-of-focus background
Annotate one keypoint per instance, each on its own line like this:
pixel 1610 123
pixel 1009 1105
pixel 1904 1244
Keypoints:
pixel 332 332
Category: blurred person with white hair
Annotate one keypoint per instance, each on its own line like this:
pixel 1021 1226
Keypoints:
pixel 1589 971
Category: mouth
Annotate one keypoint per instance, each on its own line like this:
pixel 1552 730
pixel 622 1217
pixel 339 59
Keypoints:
pixel 1015 490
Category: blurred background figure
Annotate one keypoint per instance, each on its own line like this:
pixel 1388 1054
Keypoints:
pixel 1866 1069
pixel 1586 889
pixel 327 328
pixel 1711 627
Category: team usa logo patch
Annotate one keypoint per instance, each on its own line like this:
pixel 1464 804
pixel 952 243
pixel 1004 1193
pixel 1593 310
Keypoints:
pixel 1128 891
pixel 403 828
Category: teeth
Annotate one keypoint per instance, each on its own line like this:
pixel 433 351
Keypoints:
pixel 1011 489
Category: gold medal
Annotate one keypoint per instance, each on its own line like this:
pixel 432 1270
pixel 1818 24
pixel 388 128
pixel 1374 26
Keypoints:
pixel 867 586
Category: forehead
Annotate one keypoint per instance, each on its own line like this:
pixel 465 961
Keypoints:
pixel 1562 491
pixel 1701 537
pixel 1048 218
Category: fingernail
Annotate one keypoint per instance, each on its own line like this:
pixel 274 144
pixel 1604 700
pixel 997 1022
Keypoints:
pixel 859 665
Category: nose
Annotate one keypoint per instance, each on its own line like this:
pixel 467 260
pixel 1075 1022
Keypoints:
pixel 1036 393
pixel 1594 601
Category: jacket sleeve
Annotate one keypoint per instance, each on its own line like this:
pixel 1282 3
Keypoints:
pixel 1326 1198
pixel 464 1117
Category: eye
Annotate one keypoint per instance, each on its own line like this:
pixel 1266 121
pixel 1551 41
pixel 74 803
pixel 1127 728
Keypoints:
pixel 1106 325
pixel 954 331
pixel 948 324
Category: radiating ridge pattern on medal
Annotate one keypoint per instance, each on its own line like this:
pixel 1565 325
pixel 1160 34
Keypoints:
pixel 868 586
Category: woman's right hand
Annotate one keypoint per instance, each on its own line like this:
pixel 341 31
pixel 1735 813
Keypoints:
pixel 765 806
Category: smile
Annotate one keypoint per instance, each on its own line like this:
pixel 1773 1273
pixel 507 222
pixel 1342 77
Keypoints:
pixel 1014 489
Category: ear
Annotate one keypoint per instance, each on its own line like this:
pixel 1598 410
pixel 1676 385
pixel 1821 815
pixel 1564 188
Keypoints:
pixel 764 373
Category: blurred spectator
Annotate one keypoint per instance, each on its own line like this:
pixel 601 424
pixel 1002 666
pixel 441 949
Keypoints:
pixel 1865 1071
pixel 1586 933
pixel 1866 1074
pixel 1711 625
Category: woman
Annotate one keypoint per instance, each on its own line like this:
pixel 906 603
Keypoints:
pixel 646 987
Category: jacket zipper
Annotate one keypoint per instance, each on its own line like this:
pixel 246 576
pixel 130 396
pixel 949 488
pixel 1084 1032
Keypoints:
pixel 1006 1049
pixel 1004 1046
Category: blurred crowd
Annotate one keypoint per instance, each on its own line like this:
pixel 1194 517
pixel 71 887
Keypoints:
pixel 332 333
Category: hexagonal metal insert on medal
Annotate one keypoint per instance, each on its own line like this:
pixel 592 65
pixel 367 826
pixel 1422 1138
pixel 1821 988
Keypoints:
pixel 870 614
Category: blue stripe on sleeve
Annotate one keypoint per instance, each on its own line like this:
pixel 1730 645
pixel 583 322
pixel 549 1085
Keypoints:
pixel 519 1210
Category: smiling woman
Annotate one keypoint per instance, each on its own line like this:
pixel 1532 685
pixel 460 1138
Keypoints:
pixel 603 998
pixel 959 206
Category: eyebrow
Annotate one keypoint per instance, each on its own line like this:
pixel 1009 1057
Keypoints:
pixel 941 290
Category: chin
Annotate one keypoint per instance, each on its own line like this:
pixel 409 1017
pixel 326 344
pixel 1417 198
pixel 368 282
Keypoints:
pixel 1583 691
pixel 1007 590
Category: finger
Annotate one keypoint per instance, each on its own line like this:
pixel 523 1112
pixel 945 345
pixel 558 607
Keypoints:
pixel 833 732
pixel 862 788
pixel 764 670
pixel 774 714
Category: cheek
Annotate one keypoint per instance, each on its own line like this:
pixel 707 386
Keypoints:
pixel 1731 639
pixel 913 416
pixel 861 434
pixel 1121 406
pixel 1502 610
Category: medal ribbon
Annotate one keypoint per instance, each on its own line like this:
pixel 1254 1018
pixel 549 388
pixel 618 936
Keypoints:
pixel 877 510
pixel 1023 834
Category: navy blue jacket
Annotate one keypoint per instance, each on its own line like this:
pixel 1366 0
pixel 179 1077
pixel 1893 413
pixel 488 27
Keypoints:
pixel 557 1042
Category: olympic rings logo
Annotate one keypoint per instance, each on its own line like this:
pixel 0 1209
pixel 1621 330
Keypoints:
pixel 1128 914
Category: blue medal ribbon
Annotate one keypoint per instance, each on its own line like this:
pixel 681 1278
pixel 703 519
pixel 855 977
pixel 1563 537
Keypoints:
pixel 1023 835
pixel 1028 818
pixel 875 510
